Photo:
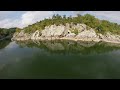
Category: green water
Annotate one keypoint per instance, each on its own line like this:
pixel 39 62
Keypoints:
pixel 59 60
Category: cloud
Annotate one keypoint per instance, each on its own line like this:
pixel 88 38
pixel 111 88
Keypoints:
pixel 27 18
pixel 21 19
pixel 31 17
pixel 113 16
pixel 8 23
pixel 5 12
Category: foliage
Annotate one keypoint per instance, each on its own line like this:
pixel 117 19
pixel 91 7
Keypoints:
pixel 100 26
pixel 74 31
pixel 6 32
pixel 18 29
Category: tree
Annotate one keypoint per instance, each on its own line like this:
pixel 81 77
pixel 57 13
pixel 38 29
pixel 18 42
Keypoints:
pixel 18 29
pixel 100 26
pixel 64 16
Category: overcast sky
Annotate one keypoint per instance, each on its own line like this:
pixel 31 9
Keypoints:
pixel 21 19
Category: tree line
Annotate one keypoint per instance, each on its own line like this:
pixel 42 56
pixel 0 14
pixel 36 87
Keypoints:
pixel 6 32
pixel 100 26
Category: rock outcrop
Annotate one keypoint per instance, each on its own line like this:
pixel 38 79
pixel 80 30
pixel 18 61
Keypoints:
pixel 36 35
pixel 53 31
pixel 21 36
pixel 87 34
pixel 71 35
pixel 69 31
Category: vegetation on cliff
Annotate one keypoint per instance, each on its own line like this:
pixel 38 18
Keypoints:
pixel 101 26
pixel 6 32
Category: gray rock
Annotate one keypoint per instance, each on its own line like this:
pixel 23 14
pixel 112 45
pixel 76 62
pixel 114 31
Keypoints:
pixel 87 34
pixel 53 31
pixel 71 35
pixel 67 32
pixel 36 35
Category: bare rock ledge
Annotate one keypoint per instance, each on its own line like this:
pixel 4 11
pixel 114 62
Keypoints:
pixel 66 32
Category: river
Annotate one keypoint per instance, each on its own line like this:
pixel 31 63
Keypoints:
pixel 59 60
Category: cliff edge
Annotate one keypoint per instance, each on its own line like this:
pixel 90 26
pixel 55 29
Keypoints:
pixel 69 31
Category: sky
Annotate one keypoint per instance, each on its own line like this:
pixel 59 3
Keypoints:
pixel 22 19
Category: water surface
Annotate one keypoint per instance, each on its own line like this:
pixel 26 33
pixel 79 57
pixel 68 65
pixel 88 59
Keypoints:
pixel 59 60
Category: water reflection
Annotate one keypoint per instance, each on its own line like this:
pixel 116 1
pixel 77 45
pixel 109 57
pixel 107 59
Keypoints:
pixel 65 46
pixel 4 43
pixel 60 59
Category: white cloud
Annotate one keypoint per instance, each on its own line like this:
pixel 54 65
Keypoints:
pixel 113 16
pixel 21 19
pixel 26 18
pixel 8 23
pixel 34 16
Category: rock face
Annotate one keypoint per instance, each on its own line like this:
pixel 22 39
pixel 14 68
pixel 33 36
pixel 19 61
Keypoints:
pixel 21 36
pixel 68 31
pixel 71 35
pixel 87 34
pixel 109 37
pixel 80 27
pixel 36 35
pixel 53 31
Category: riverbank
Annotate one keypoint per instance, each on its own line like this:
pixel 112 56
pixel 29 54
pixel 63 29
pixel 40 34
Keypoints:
pixel 62 32
pixel 70 39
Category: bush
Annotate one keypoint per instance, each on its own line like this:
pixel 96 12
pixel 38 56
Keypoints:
pixel 74 31
pixel 100 26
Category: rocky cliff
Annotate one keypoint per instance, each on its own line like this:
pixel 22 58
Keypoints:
pixel 68 31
